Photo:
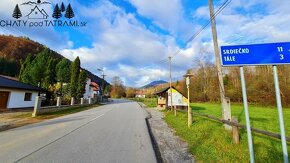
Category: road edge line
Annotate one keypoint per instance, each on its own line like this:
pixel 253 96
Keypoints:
pixel 151 135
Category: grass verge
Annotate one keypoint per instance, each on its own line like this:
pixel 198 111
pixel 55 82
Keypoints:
pixel 209 142
pixel 26 119
pixel 149 102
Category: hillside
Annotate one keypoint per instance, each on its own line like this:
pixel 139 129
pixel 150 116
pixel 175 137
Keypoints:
pixel 14 49
pixel 154 83
pixel 17 48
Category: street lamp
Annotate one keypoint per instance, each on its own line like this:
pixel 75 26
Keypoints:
pixel 189 113
pixel 103 82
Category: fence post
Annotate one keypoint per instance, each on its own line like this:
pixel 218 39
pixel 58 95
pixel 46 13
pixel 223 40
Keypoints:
pixel 37 105
pixel 236 136
pixel 82 101
pixel 228 114
pixel 58 102
pixel 72 102
pixel 90 100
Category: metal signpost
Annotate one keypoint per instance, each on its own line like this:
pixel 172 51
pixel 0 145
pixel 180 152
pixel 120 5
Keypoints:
pixel 253 55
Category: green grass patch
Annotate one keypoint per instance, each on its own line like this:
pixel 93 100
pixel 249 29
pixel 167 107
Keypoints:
pixel 265 118
pixel 209 142
pixel 149 102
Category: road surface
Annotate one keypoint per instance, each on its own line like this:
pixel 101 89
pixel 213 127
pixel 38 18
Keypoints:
pixel 115 132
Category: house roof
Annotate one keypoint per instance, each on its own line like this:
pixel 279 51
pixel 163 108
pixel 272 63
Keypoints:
pixel 10 83
pixel 162 90
pixel 166 88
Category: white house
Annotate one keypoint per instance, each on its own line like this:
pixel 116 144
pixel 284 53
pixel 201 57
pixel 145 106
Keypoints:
pixel 15 94
pixel 92 89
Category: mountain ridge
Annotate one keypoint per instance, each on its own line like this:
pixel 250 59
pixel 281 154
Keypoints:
pixel 153 84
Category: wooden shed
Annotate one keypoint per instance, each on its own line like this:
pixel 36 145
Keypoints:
pixel 164 98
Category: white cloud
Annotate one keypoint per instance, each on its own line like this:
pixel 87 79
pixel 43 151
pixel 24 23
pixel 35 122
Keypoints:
pixel 168 15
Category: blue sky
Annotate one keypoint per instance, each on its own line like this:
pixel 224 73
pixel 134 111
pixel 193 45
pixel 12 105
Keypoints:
pixel 133 38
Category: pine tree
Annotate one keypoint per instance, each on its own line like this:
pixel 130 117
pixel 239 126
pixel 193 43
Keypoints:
pixel 75 71
pixel 49 74
pixel 69 12
pixel 82 84
pixel 63 72
pixel 25 75
pixel 56 12
pixel 24 65
pixel 38 67
pixel 17 13
pixel 62 7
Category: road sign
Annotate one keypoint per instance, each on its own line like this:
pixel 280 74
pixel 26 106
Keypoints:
pixel 256 54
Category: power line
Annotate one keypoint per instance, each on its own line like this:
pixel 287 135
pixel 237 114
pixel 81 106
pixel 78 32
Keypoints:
pixel 221 8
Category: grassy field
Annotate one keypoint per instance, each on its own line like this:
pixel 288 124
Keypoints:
pixel 209 142
pixel 150 102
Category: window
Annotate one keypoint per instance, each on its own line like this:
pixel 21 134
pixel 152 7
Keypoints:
pixel 27 96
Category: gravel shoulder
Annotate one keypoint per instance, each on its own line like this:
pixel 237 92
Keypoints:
pixel 171 148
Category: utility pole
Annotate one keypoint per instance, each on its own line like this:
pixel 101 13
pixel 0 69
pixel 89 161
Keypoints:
pixel 189 110
pixel 103 82
pixel 226 112
pixel 170 58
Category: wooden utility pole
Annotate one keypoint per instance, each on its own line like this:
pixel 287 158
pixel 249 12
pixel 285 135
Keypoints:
pixel 226 112
pixel 170 83
pixel 189 110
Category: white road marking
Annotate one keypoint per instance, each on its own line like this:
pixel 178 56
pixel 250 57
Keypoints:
pixel 97 117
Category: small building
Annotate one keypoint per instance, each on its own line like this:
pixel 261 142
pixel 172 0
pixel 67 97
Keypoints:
pixel 92 89
pixel 15 94
pixel 164 98
pixel 140 94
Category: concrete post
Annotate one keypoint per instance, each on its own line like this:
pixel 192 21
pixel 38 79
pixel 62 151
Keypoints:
pixel 236 136
pixel 72 101
pixel 58 102
pixel 37 105
pixel 90 100
pixel 82 101
pixel 228 114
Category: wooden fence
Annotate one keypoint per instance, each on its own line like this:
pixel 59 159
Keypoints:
pixel 255 130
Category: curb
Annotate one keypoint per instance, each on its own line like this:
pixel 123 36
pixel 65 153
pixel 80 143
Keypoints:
pixel 152 138
pixel 4 127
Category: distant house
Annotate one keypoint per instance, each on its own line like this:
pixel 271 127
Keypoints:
pixel 140 94
pixel 36 13
pixel 164 98
pixel 15 94
pixel 92 89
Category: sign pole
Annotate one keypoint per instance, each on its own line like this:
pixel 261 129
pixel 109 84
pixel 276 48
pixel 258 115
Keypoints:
pixel 189 113
pixel 280 113
pixel 245 100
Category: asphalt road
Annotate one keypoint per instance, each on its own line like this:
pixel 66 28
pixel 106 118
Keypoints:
pixel 115 132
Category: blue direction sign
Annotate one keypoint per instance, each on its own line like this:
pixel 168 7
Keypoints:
pixel 256 54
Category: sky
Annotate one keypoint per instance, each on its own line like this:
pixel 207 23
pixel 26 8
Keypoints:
pixel 133 39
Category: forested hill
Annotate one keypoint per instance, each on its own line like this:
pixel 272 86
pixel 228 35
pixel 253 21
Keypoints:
pixel 14 49
pixel 17 48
